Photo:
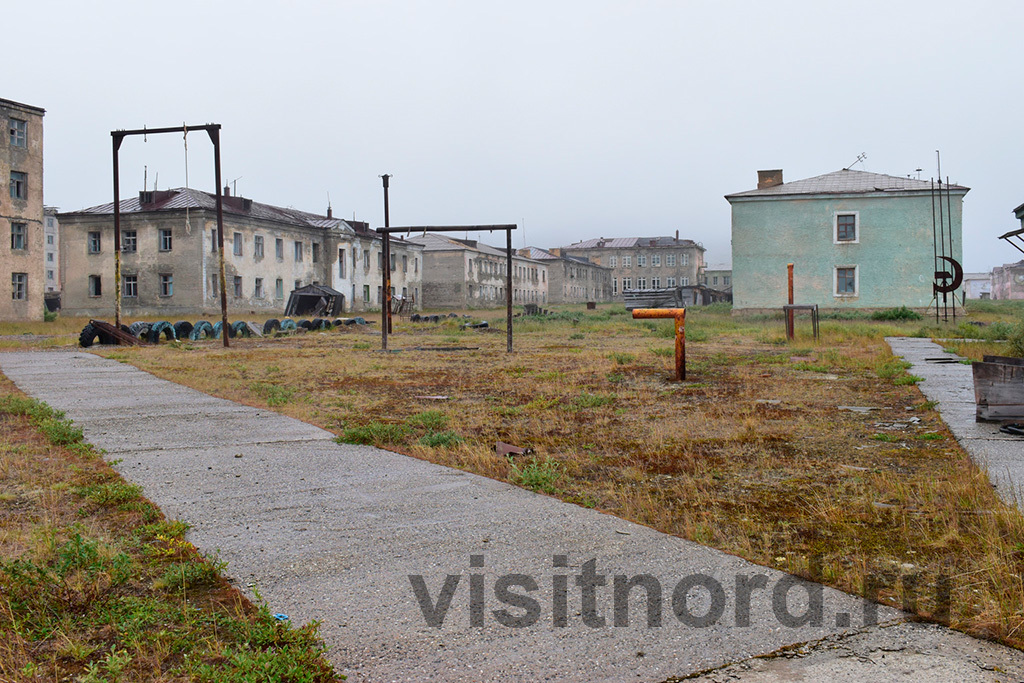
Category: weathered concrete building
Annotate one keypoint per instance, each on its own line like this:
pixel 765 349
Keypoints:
pixel 718 276
pixel 856 239
pixel 1008 281
pixel 643 262
pixel 51 249
pixel 170 260
pixel 464 273
pixel 572 279
pixel 978 286
pixel 21 212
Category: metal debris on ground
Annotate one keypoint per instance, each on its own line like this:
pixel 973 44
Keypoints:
pixel 432 398
pixel 505 450
pixel 1016 429
pixel 858 409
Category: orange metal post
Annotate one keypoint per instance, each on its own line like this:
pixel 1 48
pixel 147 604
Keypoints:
pixel 790 327
pixel 679 314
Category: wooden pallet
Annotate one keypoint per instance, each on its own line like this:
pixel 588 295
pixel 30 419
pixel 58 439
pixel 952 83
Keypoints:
pixel 999 388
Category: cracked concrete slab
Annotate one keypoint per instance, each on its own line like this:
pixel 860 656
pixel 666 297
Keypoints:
pixel 344 534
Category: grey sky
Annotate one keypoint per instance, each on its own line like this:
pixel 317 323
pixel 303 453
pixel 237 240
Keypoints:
pixel 573 119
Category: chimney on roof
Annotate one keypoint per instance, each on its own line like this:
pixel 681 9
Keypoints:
pixel 227 190
pixel 766 179
pixel 677 237
pixel 329 214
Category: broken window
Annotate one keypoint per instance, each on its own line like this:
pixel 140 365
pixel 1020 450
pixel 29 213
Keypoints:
pixel 671 282
pixel 236 240
pixel 19 286
pixel 258 289
pixel 846 227
pixel 341 263
pixel 316 252
pixel 237 280
pixel 129 241
pixel 94 243
pixel 165 240
pixel 95 286
pixel 19 185
pixel 279 288
pixel 19 133
pixel 257 246
pixel 166 284
pixel 298 250
pixel 19 236
pixel 279 248
pixel 656 260
pixel 846 281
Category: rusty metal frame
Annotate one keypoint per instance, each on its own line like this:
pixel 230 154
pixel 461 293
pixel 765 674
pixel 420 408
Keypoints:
pixel 1009 238
pixel 679 314
pixel 118 136
pixel 385 234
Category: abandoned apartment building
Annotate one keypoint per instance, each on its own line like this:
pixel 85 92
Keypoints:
pixel 21 212
pixel 642 262
pixel 170 261
pixel 465 273
pixel 572 279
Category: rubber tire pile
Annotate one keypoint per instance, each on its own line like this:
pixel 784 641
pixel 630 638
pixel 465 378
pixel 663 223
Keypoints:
pixel 203 329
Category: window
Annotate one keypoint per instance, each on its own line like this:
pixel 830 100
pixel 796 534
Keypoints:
pixel 641 283
pixel 684 281
pixel 670 260
pixel 656 260
pixel 236 240
pixel 392 259
pixel 165 241
pixel 19 235
pixel 237 281
pixel 130 285
pixel 627 261
pixel 366 293
pixel 725 280
pixel 19 286
pixel 846 228
pixel 380 294
pixel 316 253
pixel 49 239
pixel 714 280
pixel 279 288
pixel 615 284
pixel 641 261
pixel 49 275
pixel 298 250
pixel 846 281
pixel 19 185
pixel 656 282
pixel 19 129
pixel 366 260
pixel 49 257
pixel 671 282
pixel 613 261
pixel 213 240
pixel 279 248
pixel 416 265
pixel 627 283
pixel 129 241
pixel 257 246
pixel 49 223
pixel 166 284
pixel 258 289
pixel 95 285
pixel 94 243
pixel 341 263
pixel 214 285
pixel 405 264
pixel 684 259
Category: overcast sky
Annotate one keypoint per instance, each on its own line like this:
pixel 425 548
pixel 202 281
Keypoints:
pixel 572 119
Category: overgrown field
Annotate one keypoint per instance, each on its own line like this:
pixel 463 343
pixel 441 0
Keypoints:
pixel 96 585
pixel 757 453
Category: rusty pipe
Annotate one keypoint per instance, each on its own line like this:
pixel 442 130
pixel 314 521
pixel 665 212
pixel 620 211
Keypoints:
pixel 679 315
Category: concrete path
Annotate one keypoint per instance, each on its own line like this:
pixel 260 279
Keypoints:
pixel 952 386
pixel 375 545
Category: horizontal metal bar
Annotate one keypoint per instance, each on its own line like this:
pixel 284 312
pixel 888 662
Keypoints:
pixel 447 228
pixel 177 129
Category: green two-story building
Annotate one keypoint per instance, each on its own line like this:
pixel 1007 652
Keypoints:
pixel 856 239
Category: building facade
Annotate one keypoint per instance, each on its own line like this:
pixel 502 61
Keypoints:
pixel 464 273
pixel 571 279
pixel 21 211
pixel 718 276
pixel 642 262
pixel 978 286
pixel 856 239
pixel 170 263
pixel 1008 281
pixel 51 249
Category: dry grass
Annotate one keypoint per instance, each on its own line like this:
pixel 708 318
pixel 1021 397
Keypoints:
pixel 95 585
pixel 750 455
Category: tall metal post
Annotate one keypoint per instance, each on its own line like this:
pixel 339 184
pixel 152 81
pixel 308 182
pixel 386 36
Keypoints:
pixel 224 327
pixel 508 309
pixel 116 141
pixel 790 327
pixel 386 255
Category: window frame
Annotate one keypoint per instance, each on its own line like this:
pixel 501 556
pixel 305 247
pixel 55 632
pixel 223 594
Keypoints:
pixel 18 135
pixel 94 242
pixel 19 185
pixel 297 250
pixel 95 286
pixel 856 227
pixel 257 289
pixel 166 285
pixel 237 243
pixel 19 236
pixel 19 286
pixel 856 282
pixel 257 246
pixel 133 291
pixel 129 241
pixel 165 239
pixel 279 248
pixel 279 288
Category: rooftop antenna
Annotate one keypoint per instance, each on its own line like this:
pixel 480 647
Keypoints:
pixel 860 157
pixel 918 171
pixel 234 185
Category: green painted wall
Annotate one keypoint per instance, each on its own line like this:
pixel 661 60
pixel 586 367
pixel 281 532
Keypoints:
pixel 894 255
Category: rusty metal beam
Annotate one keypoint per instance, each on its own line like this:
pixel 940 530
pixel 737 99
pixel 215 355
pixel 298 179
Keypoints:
pixel 679 315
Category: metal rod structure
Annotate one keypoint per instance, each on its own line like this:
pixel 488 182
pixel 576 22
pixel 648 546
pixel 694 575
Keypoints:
pixel 117 136
pixel 935 255
pixel 790 327
pixel 949 215
pixel 386 231
pixel 386 297
pixel 679 314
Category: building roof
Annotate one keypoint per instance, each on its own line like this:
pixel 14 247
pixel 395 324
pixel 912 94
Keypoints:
pixel 12 103
pixel 537 254
pixel 433 241
pixel 846 181
pixel 188 198
pixel 718 266
pixel 632 243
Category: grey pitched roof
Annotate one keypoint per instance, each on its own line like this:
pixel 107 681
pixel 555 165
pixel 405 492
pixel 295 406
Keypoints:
pixel 537 254
pixel 433 241
pixel 188 198
pixel 630 243
pixel 846 181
